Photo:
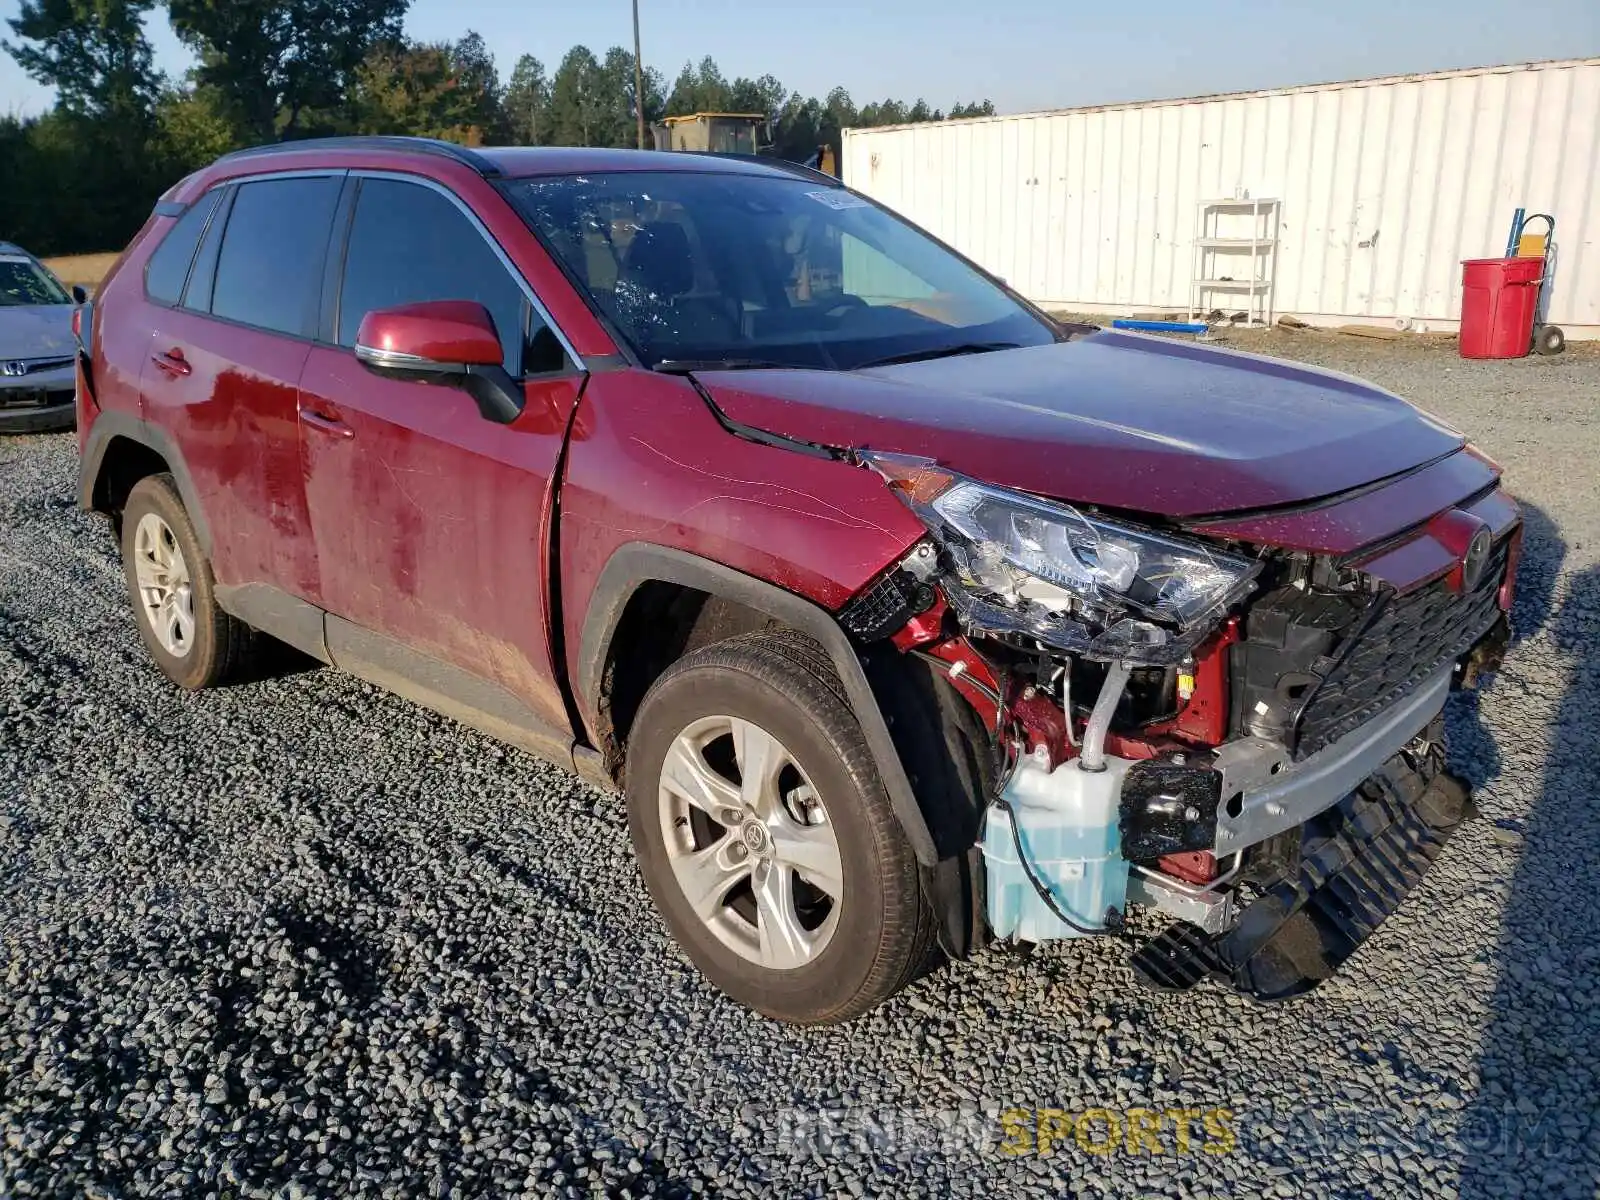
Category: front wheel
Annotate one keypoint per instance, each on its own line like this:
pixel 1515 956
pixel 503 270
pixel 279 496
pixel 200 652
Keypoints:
pixel 765 836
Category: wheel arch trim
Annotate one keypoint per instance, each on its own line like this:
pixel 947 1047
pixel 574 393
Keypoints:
pixel 107 428
pixel 637 563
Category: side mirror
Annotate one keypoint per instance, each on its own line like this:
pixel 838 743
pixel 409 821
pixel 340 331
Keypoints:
pixel 441 341
pixel 80 294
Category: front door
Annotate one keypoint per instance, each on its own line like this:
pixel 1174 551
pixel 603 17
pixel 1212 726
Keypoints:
pixel 431 522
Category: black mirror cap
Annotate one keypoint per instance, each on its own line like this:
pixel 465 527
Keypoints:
pixel 497 395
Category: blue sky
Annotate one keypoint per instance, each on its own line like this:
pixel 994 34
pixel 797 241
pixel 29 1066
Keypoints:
pixel 1022 54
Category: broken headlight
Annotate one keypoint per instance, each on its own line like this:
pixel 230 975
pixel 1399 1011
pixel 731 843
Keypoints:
pixel 1016 564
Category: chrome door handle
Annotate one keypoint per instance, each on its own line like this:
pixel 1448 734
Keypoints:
pixel 172 363
pixel 325 424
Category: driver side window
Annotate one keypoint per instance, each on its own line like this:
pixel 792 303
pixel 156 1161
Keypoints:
pixel 409 244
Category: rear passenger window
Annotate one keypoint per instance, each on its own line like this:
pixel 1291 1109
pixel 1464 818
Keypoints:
pixel 269 269
pixel 409 244
pixel 169 265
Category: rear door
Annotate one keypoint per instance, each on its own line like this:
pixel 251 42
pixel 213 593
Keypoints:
pixel 431 522
pixel 226 354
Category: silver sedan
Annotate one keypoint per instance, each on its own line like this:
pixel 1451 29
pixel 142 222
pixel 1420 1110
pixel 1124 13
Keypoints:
pixel 37 348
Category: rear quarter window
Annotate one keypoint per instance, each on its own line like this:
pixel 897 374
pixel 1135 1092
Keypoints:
pixel 169 265
pixel 269 269
pixel 197 295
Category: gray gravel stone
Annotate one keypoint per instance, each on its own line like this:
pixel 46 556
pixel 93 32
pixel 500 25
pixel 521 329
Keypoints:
pixel 301 938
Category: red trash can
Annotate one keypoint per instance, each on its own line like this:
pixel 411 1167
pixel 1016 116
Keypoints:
pixel 1499 299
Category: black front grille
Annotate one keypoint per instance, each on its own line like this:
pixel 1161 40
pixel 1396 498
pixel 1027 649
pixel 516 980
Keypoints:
pixel 1403 641
pixel 884 606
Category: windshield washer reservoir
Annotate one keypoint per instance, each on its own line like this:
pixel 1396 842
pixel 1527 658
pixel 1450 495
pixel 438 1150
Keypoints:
pixel 1066 822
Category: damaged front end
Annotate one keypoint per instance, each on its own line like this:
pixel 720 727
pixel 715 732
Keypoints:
pixel 1244 739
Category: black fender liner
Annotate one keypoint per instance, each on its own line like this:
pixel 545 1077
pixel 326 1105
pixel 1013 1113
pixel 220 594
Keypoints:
pixel 109 426
pixel 638 563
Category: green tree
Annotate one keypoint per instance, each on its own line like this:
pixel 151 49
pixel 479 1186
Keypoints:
pixel 798 130
pixel 681 100
pixel 93 52
pixel 80 194
pixel 839 109
pixel 88 164
pixel 282 65
pixel 889 112
pixel 578 106
pixel 655 97
pixel 698 89
pixel 193 128
pixel 984 108
pixel 32 215
pixel 478 85
pixel 412 89
pixel 527 103
pixel 120 135
pixel 765 95
pixel 619 127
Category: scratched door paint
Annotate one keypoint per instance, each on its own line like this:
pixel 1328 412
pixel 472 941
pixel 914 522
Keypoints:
pixel 430 521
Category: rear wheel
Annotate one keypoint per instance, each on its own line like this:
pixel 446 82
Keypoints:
pixel 765 836
pixel 192 640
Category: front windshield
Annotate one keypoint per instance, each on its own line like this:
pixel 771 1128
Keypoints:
pixel 764 270
pixel 25 282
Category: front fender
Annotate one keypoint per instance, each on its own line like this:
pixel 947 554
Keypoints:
pixel 637 563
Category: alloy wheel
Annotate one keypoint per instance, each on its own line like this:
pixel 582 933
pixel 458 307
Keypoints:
pixel 165 590
pixel 750 843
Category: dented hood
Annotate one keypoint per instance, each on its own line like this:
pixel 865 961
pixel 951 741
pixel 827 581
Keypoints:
pixel 1137 423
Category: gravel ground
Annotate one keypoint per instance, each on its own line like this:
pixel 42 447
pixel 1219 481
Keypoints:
pixel 301 938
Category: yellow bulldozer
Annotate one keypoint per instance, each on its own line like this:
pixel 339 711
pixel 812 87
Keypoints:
pixel 729 133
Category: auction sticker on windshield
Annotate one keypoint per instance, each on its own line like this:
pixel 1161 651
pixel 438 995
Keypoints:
pixel 838 198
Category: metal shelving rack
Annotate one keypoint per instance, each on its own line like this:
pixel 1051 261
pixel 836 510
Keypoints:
pixel 1218 259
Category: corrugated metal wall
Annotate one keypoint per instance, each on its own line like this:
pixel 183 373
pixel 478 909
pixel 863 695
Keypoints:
pixel 1385 185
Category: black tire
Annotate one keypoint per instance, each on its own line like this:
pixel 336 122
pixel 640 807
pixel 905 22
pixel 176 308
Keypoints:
pixel 785 683
pixel 1549 339
pixel 222 647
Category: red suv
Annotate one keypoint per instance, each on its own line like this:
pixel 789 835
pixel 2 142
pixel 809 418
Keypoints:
pixel 904 615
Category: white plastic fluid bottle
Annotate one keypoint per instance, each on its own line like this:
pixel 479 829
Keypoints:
pixel 1067 825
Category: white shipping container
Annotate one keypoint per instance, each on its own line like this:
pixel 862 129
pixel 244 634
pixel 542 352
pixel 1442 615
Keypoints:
pixel 1384 186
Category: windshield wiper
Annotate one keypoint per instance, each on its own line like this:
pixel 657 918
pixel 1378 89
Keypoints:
pixel 687 366
pixel 939 352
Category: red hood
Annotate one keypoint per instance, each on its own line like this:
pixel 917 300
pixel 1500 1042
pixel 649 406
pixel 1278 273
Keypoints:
pixel 1136 423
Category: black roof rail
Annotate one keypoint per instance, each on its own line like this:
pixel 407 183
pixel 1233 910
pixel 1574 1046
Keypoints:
pixel 414 145
pixel 782 164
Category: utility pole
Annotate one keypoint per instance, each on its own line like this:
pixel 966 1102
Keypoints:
pixel 638 76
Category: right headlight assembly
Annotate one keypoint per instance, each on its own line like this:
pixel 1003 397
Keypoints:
pixel 1017 564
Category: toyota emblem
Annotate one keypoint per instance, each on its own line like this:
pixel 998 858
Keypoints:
pixel 1475 559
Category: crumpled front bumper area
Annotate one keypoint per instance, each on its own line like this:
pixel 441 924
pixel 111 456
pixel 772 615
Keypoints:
pixel 1354 865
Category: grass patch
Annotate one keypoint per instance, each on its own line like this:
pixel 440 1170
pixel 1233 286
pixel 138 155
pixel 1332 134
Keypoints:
pixel 87 269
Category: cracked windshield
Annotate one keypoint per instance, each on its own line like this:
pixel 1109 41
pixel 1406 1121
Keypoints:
pixel 723 269
pixel 23 283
